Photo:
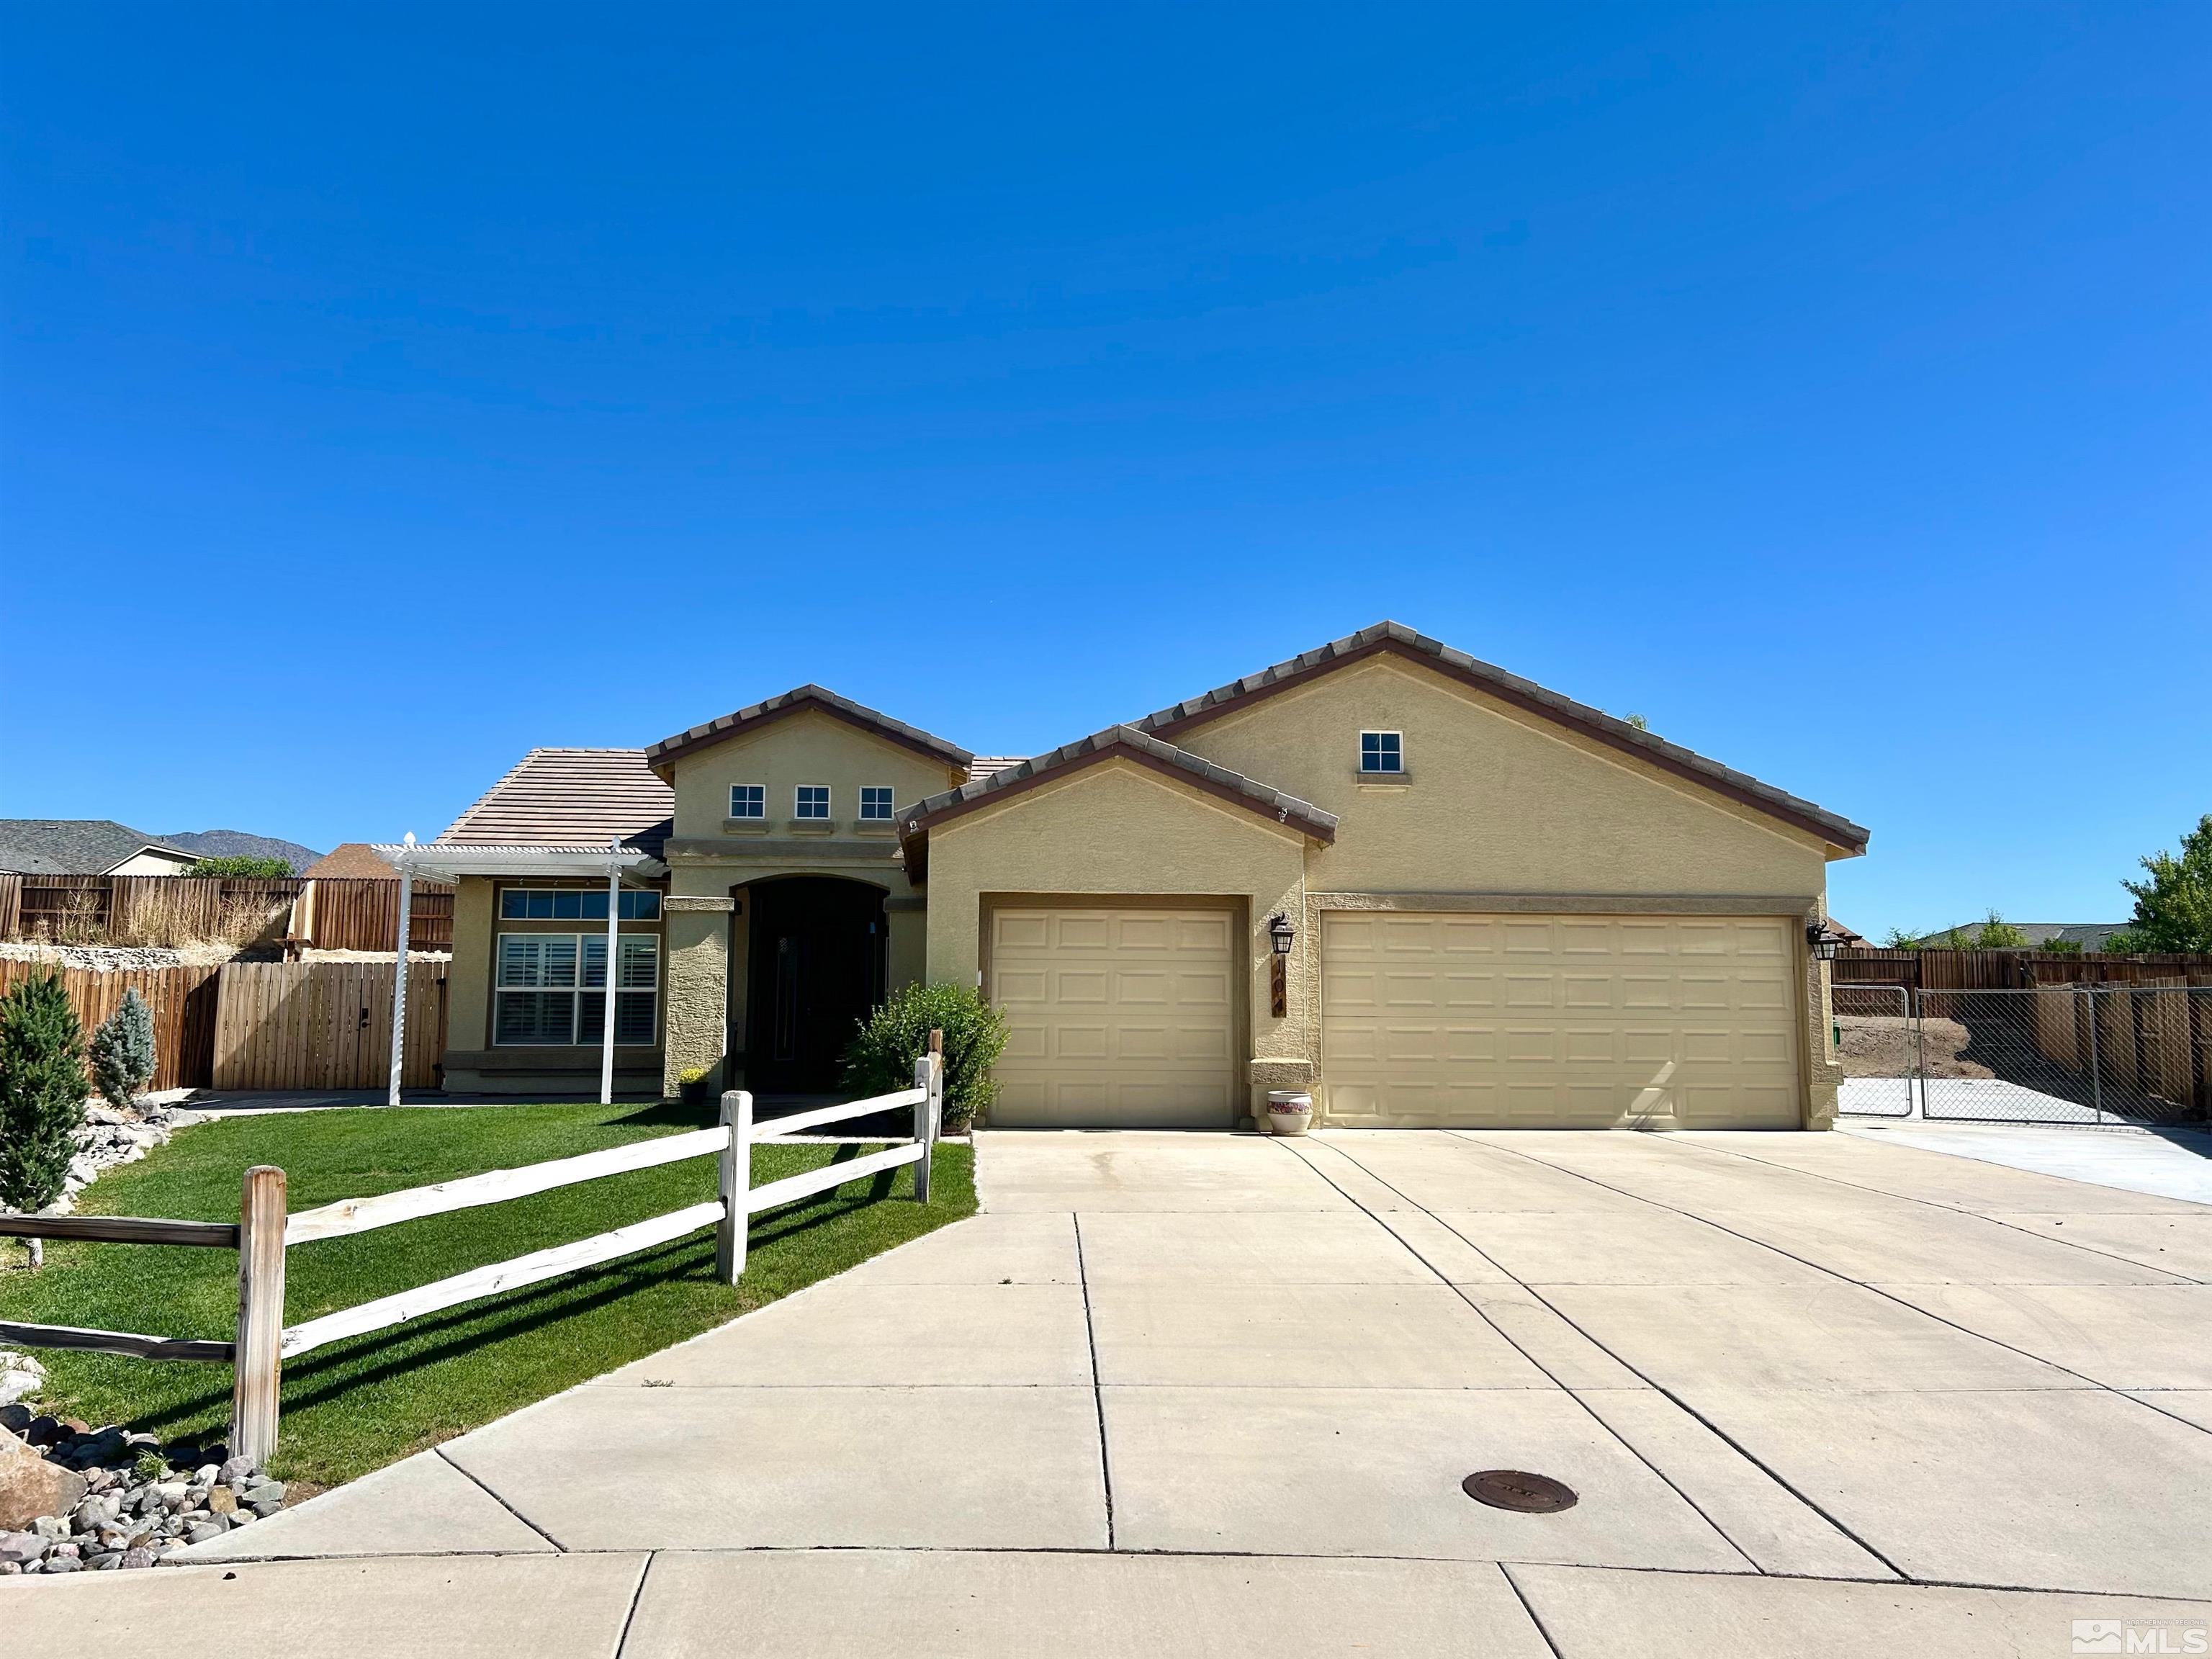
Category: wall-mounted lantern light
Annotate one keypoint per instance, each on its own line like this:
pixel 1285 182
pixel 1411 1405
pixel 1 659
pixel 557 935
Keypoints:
pixel 1279 936
pixel 1822 940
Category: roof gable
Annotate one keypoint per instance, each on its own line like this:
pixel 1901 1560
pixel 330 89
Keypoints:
pixel 1115 743
pixel 661 756
pixel 1396 640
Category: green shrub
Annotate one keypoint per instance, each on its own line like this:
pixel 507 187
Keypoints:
pixel 2061 947
pixel 242 866
pixel 122 1051
pixel 42 1091
pixel 881 1056
pixel 1998 935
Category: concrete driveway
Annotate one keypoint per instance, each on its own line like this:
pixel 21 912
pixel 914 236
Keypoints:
pixel 1186 1394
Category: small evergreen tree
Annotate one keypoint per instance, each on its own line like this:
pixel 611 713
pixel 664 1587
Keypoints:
pixel 880 1058
pixel 122 1051
pixel 42 1091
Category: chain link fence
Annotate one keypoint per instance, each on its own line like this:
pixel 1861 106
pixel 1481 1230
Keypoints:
pixel 2053 1054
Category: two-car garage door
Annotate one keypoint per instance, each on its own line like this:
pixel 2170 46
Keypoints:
pixel 1560 1021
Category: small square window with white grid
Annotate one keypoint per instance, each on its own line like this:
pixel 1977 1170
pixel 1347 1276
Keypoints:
pixel 748 800
pixel 811 800
pixel 875 803
pixel 1382 751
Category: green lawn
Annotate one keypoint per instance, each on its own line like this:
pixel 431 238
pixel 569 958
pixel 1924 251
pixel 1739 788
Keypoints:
pixel 362 1403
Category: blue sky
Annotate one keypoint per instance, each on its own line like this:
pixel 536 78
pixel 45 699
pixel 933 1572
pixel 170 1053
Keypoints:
pixel 386 389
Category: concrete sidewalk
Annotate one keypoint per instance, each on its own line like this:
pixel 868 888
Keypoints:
pixel 1190 1394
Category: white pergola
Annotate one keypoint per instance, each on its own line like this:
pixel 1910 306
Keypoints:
pixel 448 862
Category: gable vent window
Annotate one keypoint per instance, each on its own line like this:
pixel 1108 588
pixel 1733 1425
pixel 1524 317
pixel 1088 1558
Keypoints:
pixel 811 801
pixel 748 800
pixel 574 904
pixel 1382 751
pixel 875 803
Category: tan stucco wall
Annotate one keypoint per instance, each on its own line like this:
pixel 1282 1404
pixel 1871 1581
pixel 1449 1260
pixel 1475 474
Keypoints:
pixel 1495 801
pixel 808 747
pixel 468 983
pixel 1117 829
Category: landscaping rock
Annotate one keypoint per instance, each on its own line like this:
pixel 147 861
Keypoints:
pixel 215 1526
pixel 31 1487
pixel 221 1500
pixel 237 1471
pixel 21 1376
pixel 21 1547
pixel 138 1558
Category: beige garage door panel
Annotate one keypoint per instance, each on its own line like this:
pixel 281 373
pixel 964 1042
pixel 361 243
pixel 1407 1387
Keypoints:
pixel 1118 1017
pixel 1559 1021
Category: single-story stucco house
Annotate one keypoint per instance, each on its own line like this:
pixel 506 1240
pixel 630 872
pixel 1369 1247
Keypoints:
pixel 1428 891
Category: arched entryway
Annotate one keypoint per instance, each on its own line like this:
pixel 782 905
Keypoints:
pixel 815 968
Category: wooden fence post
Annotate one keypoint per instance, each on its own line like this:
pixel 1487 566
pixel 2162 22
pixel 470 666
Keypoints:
pixel 735 1180
pixel 256 1365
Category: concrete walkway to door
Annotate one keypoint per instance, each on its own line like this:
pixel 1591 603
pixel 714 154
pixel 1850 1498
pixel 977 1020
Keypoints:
pixel 1212 1393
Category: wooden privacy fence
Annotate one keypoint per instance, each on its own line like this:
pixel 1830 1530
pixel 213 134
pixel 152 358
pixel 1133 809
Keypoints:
pixel 326 914
pixel 2009 970
pixel 182 1001
pixel 362 913
pixel 325 1025
pixel 265 1233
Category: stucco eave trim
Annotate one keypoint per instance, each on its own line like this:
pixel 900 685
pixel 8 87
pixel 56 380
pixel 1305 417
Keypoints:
pixel 1590 904
pixel 743 855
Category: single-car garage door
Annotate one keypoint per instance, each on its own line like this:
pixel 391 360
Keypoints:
pixel 1538 1021
pixel 1120 1017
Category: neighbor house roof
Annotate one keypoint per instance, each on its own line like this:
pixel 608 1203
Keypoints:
pixel 1394 639
pixel 661 754
pixel 571 797
pixel 2089 935
pixel 73 847
pixel 352 861
pixel 1115 741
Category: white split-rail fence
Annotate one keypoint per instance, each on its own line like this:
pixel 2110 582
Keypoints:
pixel 264 1232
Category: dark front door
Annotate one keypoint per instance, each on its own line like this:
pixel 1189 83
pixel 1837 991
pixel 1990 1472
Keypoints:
pixel 816 970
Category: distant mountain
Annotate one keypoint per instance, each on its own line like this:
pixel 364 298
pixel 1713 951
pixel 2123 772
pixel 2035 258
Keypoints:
pixel 236 843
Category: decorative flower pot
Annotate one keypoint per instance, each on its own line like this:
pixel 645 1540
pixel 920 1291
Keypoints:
pixel 699 1095
pixel 1289 1113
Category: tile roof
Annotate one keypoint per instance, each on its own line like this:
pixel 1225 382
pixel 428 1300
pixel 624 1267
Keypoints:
pixel 352 861
pixel 829 702
pixel 1397 639
pixel 1125 741
pixel 581 797
pixel 72 846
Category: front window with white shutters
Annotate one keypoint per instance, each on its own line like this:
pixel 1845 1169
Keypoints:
pixel 551 990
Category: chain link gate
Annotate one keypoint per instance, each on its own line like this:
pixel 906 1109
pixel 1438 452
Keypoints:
pixel 1880 1042
pixel 2113 1054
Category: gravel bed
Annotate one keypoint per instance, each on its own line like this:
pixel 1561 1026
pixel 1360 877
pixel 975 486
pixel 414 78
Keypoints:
pixel 134 1500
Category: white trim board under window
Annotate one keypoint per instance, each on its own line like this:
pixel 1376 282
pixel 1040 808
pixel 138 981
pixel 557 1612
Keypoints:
pixel 811 800
pixel 748 800
pixel 875 803
pixel 539 1003
pixel 1382 751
